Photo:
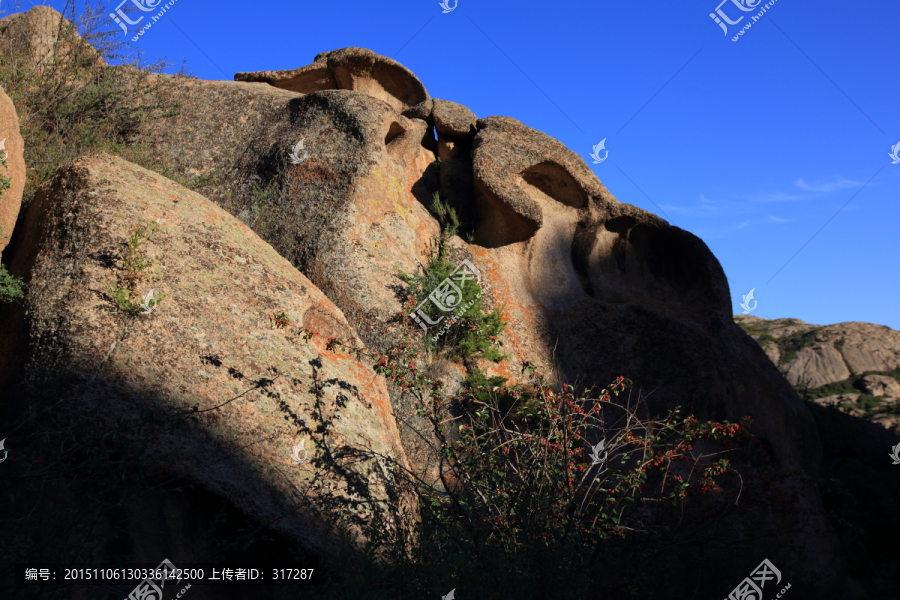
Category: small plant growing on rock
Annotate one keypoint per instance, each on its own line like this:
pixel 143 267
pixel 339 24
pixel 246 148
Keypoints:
pixel 469 333
pixel 135 264
pixel 11 287
pixel 279 320
pixel 131 304
pixel 445 214
pixel 136 259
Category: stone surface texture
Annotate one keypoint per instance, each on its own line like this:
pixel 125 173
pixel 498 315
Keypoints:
pixel 357 69
pixel 591 288
pixel 12 150
pixel 248 392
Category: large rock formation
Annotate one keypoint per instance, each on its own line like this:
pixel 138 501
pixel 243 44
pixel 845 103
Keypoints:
pixel 357 69
pixel 836 365
pixel 50 40
pixel 350 215
pixel 591 287
pixel 11 150
pixel 245 395
pixel 816 355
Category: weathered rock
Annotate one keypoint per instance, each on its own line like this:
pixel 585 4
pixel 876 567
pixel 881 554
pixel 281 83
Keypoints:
pixel 772 351
pixel 868 347
pixel 422 110
pixel 592 286
pixel 597 288
pixel 889 422
pixel 357 69
pixel 880 385
pixel 881 415
pixel 838 400
pixel 844 350
pixel 49 40
pixel 452 120
pixel 346 214
pixel 11 149
pixel 515 169
pixel 248 392
pixel 350 216
pixel 814 367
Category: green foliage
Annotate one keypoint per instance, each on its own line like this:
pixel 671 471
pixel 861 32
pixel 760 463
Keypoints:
pixel 11 287
pixel 136 259
pixel 525 510
pixel 868 403
pixel 535 482
pixel 204 180
pixel 788 345
pixel 279 320
pixel 132 304
pixel 469 331
pixel 791 344
pixel 851 385
pixel 830 389
pixel 73 104
pixel 263 196
pixel 5 182
pixel 518 402
pixel 445 214
pixel 135 265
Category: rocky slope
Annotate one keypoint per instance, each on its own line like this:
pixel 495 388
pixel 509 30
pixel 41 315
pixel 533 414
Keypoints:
pixel 243 394
pixel 591 288
pixel 853 366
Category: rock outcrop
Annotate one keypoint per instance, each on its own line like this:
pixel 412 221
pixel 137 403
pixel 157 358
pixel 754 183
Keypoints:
pixel 246 395
pixel 357 69
pixel 50 39
pixel 350 215
pixel 816 355
pixel 11 150
pixel 880 385
pixel 854 367
pixel 590 287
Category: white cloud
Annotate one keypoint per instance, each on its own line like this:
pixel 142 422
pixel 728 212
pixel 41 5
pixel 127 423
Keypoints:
pixel 778 197
pixel 829 186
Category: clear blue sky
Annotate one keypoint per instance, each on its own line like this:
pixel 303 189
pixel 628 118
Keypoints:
pixel 752 145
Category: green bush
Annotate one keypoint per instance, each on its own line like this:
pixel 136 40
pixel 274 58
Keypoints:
pixel 790 345
pixel 73 104
pixel 829 389
pixel 530 499
pixel 469 331
pixel 135 265
pixel 11 287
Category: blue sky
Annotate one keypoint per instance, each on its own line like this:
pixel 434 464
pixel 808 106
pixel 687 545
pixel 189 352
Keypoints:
pixel 773 149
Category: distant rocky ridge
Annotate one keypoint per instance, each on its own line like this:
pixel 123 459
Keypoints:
pixel 853 366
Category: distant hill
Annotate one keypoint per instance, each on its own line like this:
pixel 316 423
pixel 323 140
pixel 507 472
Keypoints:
pixel 852 366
